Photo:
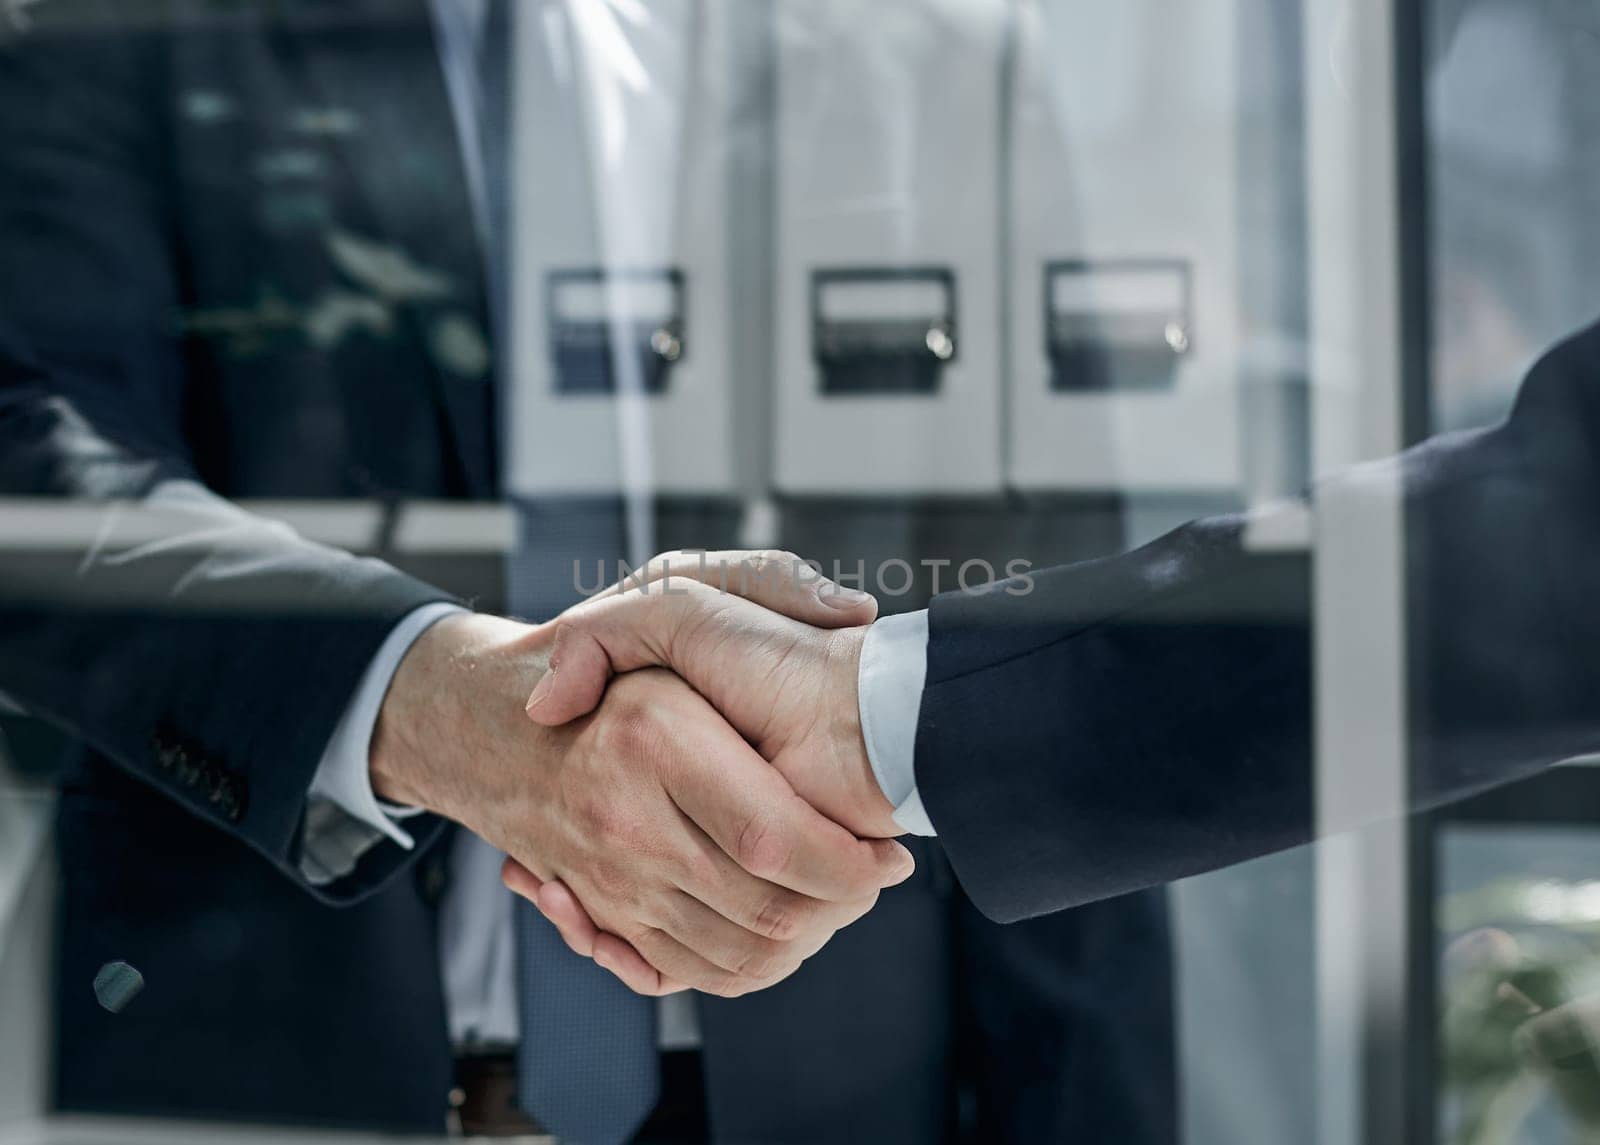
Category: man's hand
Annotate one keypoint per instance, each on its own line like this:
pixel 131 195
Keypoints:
pixel 678 837
pixel 1511 1010
pixel 729 630
pixel 788 686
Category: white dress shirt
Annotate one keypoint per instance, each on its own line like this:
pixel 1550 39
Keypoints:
pixel 894 666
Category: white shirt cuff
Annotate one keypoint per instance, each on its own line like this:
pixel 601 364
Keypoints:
pixel 344 818
pixel 894 665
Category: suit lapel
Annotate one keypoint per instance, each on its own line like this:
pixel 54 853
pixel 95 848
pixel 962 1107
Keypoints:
pixel 371 71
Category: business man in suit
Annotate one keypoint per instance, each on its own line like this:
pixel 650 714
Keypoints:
pixel 1088 730
pixel 244 261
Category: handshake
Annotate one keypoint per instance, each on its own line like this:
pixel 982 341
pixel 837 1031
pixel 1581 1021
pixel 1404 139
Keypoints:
pixel 675 768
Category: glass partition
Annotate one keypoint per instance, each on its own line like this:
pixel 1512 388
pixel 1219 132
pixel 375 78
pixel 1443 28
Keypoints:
pixel 350 351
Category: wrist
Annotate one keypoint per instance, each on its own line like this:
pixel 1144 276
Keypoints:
pixel 448 679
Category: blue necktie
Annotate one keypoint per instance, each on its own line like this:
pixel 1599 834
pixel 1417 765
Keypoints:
pixel 587 1068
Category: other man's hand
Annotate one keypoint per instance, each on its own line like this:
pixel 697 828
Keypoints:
pixel 1511 1008
pixel 726 623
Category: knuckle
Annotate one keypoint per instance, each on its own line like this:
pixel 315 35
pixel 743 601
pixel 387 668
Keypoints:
pixel 776 562
pixel 778 917
pixel 565 626
pixel 764 568
pixel 756 957
pixel 630 732
pixel 696 597
pixel 641 936
pixel 609 822
pixel 701 870
pixel 661 951
pixel 763 847
pixel 611 881
pixel 646 939
pixel 667 912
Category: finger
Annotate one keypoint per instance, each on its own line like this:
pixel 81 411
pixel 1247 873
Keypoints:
pixel 675 962
pixel 1487 948
pixel 520 879
pixel 775 912
pixel 636 623
pixel 688 942
pixel 755 905
pixel 556 903
pixel 1511 996
pixel 620 958
pixel 582 662
pixel 725 944
pixel 752 813
pixel 555 900
pixel 696 928
pixel 1565 1036
pixel 619 633
pixel 772 578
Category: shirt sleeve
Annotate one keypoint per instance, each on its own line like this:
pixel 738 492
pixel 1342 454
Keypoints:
pixel 894 665
pixel 344 818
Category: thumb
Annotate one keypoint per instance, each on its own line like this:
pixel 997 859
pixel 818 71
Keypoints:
pixel 596 640
pixel 1562 1037
pixel 631 624
pixel 575 677
pixel 775 580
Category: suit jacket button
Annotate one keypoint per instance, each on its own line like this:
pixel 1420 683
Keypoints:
pixel 164 751
pixel 433 879
pixel 232 800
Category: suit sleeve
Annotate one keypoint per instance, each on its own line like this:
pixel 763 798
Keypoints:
pixel 1125 722
pixel 207 651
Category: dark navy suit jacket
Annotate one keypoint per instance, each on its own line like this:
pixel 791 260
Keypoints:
pixel 239 261
pixel 1149 716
